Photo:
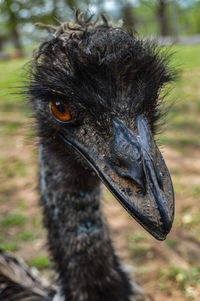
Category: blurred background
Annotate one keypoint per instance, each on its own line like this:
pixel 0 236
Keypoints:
pixel 168 270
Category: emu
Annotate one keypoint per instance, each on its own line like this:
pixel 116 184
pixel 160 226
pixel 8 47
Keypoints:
pixel 95 94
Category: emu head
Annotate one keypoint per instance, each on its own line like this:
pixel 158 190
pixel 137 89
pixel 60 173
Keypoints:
pixel 96 89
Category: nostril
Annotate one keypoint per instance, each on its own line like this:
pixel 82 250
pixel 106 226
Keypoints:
pixel 135 177
pixel 141 189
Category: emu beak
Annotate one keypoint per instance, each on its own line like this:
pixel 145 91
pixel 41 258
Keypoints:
pixel 145 180
pixel 135 173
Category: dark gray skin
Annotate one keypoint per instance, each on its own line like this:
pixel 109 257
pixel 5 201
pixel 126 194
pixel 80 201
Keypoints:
pixel 110 82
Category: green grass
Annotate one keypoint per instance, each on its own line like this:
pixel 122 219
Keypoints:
pixel 180 142
pixel 12 167
pixel 10 241
pixel 172 243
pixel 182 279
pixel 195 191
pixel 41 262
pixel 189 220
pixel 12 219
pixel 26 235
pixel 140 252
pixel 136 237
pixel 183 126
pixel 12 75
pixel 9 127
pixel 21 205
pixel 138 248
pixel 9 246
pixel 186 57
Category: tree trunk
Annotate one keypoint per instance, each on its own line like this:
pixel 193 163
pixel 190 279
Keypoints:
pixel 13 22
pixel 17 42
pixel 1 43
pixel 55 12
pixel 128 17
pixel 71 3
pixel 162 18
pixel 16 39
pixel 174 21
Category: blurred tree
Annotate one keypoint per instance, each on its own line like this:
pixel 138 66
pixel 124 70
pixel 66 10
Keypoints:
pixel 189 17
pixel 3 39
pixel 55 10
pixel 174 12
pixel 145 13
pixel 71 3
pixel 16 13
pixel 128 17
pixel 10 9
pixel 163 18
pixel 174 16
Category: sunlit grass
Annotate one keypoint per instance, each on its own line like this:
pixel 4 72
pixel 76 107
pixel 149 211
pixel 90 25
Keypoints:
pixel 12 73
pixel 186 57
pixel 12 78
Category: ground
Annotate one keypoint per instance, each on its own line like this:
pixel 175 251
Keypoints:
pixel 167 270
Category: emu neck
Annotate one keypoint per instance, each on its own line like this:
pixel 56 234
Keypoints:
pixel 78 238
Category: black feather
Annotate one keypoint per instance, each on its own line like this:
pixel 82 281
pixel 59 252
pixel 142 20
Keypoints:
pixel 102 70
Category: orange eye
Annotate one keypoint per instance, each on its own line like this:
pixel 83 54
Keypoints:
pixel 60 110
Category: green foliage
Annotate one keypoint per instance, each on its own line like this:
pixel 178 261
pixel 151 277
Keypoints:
pixel 189 18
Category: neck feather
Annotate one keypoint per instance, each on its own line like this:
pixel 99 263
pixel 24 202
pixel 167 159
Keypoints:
pixel 80 246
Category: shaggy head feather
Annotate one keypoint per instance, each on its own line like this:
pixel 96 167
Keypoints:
pixel 100 72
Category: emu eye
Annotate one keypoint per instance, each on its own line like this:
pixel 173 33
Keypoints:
pixel 60 111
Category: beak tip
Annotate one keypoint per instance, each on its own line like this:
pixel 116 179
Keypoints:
pixel 164 230
pixel 160 234
pixel 161 229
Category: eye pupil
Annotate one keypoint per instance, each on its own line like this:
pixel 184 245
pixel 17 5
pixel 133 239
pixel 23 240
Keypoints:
pixel 60 111
pixel 60 107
